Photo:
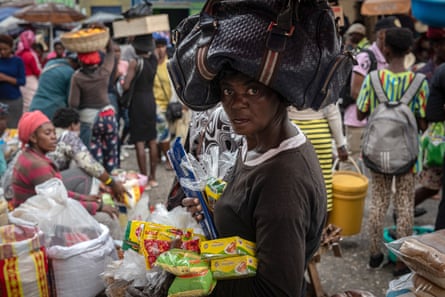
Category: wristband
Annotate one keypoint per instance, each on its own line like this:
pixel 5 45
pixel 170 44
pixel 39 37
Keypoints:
pixel 109 181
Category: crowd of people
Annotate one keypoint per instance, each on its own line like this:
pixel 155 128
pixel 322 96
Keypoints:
pixel 66 108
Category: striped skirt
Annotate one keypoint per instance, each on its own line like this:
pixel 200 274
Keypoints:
pixel 318 132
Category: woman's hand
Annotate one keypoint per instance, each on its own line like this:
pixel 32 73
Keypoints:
pixel 110 210
pixel 194 207
pixel 342 153
pixel 93 198
pixel 119 190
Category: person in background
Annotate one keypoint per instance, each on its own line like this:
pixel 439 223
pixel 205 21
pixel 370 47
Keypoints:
pixel 395 80
pixel 38 137
pixel 38 49
pixel 70 149
pixel 58 52
pixel 54 85
pixel 435 112
pixel 12 76
pixel 266 192
pixel 163 92
pixel 356 38
pixel 431 178
pixel 354 127
pixel 320 127
pixel 142 110
pixel 3 126
pixel 32 66
pixel 89 94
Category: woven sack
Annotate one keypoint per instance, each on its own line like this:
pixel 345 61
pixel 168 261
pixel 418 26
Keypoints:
pixel 23 262
pixel 291 46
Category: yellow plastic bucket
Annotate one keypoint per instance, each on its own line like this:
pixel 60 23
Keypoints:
pixel 349 190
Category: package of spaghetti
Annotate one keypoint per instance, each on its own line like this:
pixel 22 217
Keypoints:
pixel 181 262
pixel 192 285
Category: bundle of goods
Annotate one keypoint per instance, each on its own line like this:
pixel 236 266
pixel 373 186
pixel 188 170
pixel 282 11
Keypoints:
pixel 152 239
pixel 140 21
pixel 23 262
pixel 425 256
pixel 77 245
pixel 197 274
pixel 202 179
pixel 86 40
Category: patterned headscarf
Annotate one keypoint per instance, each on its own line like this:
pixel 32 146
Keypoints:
pixel 27 38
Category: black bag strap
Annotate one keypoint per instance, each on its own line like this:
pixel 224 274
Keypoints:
pixel 279 32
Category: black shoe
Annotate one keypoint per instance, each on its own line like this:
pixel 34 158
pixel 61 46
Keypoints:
pixel 401 271
pixel 419 211
pixel 376 261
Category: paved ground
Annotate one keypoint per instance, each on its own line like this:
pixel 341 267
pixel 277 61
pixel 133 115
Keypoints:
pixel 337 274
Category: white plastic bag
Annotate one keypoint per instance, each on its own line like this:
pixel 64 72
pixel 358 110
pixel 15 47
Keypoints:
pixel 64 221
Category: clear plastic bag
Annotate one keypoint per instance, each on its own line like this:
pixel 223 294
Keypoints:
pixel 64 221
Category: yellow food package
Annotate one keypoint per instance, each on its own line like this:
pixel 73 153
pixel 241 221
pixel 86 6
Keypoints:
pixel 226 247
pixel 133 235
pixel 133 193
pixel 233 267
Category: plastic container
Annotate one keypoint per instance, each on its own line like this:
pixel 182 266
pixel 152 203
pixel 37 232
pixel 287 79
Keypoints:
pixel 429 12
pixel 349 190
pixel 417 230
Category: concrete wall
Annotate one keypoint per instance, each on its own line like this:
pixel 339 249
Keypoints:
pixel 85 5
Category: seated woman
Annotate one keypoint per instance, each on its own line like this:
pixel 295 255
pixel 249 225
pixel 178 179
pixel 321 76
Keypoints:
pixel 38 137
pixel 71 148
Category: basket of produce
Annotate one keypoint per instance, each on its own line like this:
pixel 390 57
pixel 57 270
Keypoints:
pixel 86 40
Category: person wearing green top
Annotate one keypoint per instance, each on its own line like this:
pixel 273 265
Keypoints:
pixel 395 80
pixel 54 85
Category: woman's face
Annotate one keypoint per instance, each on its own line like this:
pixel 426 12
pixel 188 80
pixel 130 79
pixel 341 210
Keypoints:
pixel 250 105
pixel 44 139
pixel 59 49
pixel 5 50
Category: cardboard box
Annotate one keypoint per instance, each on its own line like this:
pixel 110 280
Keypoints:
pixel 141 26
pixel 226 247
pixel 233 267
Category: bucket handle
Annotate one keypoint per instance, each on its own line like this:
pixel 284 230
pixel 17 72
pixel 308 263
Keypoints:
pixel 349 160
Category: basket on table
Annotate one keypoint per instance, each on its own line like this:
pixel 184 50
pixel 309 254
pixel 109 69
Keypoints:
pixel 86 40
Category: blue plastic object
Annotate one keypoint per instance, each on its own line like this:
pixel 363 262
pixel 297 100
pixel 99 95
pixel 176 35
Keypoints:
pixel 429 12
pixel 417 230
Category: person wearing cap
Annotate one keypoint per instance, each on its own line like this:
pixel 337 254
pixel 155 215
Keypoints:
pixel 12 76
pixel 354 127
pixel 89 95
pixel 54 86
pixel 395 80
pixel 33 167
pixel 142 110
pixel 430 178
pixel 356 36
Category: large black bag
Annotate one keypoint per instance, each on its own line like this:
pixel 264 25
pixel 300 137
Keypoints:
pixel 291 46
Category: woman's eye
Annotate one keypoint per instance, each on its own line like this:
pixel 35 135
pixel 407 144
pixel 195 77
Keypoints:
pixel 252 91
pixel 227 92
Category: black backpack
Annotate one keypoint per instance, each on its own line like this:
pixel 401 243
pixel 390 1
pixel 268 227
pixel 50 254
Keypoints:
pixel 345 92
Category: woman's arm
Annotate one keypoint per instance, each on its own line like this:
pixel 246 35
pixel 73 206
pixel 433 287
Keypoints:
pixel 19 79
pixel 74 97
pixel 130 74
